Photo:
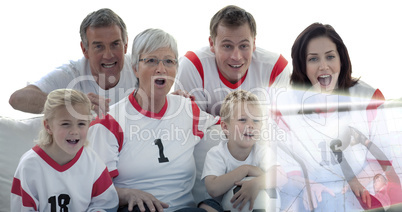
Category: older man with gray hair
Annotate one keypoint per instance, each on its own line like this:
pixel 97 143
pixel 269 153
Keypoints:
pixel 104 73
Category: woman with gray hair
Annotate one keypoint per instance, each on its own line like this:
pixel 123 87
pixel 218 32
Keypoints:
pixel 147 139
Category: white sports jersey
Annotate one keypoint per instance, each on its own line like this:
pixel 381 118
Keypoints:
pixel 361 97
pixel 199 75
pixel 152 152
pixel 77 75
pixel 219 161
pixel 323 137
pixel 83 184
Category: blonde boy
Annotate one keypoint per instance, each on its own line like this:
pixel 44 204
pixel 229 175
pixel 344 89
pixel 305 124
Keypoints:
pixel 241 154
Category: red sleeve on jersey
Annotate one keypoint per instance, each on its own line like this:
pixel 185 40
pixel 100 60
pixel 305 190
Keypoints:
pixel 394 192
pixel 278 68
pixel 385 162
pixel 101 184
pixel 196 119
pixel 114 173
pixel 197 63
pixel 381 162
pixel 375 203
pixel 27 200
pixel 111 124
pixel 376 101
pixel 219 121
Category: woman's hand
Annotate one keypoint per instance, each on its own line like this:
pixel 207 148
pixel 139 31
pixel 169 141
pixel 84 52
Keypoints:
pixel 316 195
pixel 360 191
pixel 133 197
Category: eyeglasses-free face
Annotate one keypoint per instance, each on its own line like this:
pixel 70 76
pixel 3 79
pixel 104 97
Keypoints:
pixel 152 62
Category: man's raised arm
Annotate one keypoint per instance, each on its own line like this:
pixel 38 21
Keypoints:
pixel 29 99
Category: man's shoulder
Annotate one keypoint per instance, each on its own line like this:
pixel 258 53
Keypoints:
pixel 177 101
pixel 201 60
pixel 203 54
pixel 121 105
pixel 265 56
pixel 76 67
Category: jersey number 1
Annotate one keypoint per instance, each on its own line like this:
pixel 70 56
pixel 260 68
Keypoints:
pixel 162 158
pixel 337 155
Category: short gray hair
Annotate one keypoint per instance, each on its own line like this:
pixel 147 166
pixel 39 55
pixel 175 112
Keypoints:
pixel 149 41
pixel 102 18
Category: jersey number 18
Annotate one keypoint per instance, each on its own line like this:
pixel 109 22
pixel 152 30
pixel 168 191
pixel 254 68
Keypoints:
pixel 63 201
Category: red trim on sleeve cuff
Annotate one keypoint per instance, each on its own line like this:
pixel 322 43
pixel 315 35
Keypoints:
pixel 381 162
pixel 102 183
pixel 27 200
pixel 196 119
pixel 280 65
pixel 114 173
pixel 113 126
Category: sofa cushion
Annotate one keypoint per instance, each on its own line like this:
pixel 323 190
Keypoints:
pixel 16 137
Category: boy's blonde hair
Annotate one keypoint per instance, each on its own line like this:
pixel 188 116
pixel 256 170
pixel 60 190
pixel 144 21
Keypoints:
pixel 232 99
pixel 62 98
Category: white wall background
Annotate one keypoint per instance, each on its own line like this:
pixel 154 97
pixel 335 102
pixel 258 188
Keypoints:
pixel 37 36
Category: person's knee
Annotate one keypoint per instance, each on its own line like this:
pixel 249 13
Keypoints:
pixel 207 208
pixel 211 205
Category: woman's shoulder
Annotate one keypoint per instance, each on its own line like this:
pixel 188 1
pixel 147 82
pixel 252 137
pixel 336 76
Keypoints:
pixel 177 104
pixel 177 99
pixel 265 56
pixel 362 89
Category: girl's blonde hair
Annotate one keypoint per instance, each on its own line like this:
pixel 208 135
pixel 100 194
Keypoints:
pixel 62 98
pixel 232 99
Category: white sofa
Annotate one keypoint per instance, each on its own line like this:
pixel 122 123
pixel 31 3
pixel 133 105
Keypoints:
pixel 16 137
